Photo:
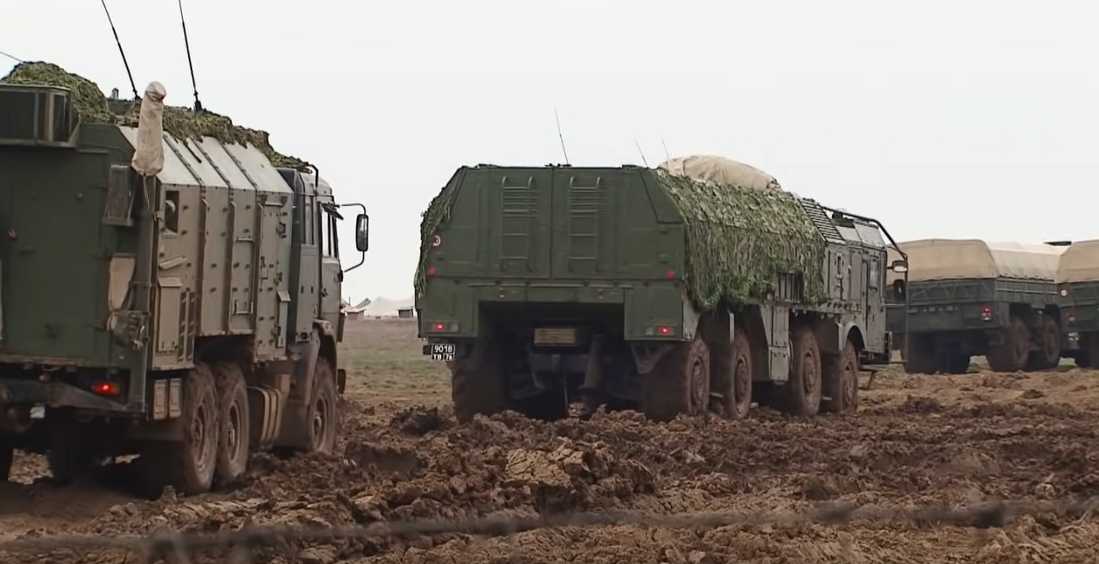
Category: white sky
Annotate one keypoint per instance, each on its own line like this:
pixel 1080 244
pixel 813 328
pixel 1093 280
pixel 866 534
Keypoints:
pixel 952 119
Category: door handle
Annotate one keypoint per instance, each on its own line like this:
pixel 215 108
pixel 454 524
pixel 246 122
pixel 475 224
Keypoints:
pixel 324 292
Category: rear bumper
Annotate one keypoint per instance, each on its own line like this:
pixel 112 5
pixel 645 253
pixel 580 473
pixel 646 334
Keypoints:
pixel 55 394
pixel 938 318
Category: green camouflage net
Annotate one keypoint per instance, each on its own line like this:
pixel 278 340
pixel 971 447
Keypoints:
pixel 437 213
pixel 740 239
pixel 181 123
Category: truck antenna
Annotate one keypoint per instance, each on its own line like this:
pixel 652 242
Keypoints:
pixel 10 56
pixel 190 62
pixel 638 145
pixel 667 155
pixel 560 136
pixel 121 51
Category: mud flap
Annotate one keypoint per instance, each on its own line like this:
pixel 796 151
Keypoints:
pixel 341 380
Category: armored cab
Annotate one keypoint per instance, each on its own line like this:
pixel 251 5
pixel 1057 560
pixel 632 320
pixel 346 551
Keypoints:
pixel 968 297
pixel 166 290
pixel 656 289
pixel 1078 298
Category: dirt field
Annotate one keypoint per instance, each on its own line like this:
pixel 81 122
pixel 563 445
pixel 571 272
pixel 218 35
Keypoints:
pixel 951 440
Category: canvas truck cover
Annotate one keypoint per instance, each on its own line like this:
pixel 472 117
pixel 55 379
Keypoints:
pixel 956 259
pixel 720 170
pixel 1079 263
pixel 738 239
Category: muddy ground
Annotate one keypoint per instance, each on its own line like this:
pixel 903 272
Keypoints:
pixel 950 440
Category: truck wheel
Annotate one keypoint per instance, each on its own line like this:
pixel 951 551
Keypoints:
pixel 1011 355
pixel 477 382
pixel 1048 354
pixel 234 430
pixel 803 389
pixel 840 381
pixel 920 357
pixel 323 414
pixel 187 465
pixel 731 376
pixel 679 383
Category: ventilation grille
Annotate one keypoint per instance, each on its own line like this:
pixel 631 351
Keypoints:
pixel 37 116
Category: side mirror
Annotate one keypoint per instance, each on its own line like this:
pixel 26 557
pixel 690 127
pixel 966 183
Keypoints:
pixel 362 232
pixel 899 266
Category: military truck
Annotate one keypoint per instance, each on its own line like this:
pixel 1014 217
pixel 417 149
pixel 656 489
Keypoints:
pixel 652 289
pixel 167 291
pixel 1078 298
pixel 968 297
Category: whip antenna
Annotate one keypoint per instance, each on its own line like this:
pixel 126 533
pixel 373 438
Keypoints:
pixel 10 56
pixel 121 51
pixel 560 136
pixel 666 154
pixel 190 62
pixel 645 162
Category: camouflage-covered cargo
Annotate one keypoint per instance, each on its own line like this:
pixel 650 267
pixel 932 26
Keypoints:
pixel 739 239
pixel 540 284
pixel 182 123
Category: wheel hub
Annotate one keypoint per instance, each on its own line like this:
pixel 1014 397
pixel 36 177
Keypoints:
pixel 320 422
pixel 698 383
pixel 809 374
pixel 199 435
pixel 741 379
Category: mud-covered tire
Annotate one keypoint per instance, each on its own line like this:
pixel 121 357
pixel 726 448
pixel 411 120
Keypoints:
pixel 187 465
pixel 323 413
pixel 802 392
pixel 679 383
pixel 840 381
pixel 7 456
pixel 731 376
pixel 956 363
pixel 920 356
pixel 1048 354
pixel 234 425
pixel 1012 354
pixel 478 384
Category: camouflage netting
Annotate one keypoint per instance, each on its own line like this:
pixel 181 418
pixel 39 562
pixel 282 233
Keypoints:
pixel 182 123
pixel 740 239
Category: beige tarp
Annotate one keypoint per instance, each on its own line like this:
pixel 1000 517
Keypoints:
pixel 951 259
pixel 721 170
pixel 1080 263
pixel 148 159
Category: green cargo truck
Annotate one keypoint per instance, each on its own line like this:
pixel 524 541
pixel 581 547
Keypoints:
pixel 643 288
pixel 168 289
pixel 967 297
pixel 1078 298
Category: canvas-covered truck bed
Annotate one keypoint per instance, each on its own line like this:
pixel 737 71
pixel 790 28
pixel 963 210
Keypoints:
pixel 559 266
pixel 1078 297
pixel 972 297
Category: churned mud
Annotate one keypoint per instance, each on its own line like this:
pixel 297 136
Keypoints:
pixel 916 440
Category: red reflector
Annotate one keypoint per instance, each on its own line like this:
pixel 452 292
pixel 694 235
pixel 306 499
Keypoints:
pixel 431 271
pixel 664 330
pixel 670 274
pixel 106 388
pixel 440 326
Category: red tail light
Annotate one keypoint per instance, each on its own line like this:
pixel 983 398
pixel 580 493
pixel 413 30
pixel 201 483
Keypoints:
pixel 986 313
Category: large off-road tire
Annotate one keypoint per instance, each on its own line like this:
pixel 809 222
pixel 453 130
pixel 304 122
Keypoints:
pixel 802 392
pixel 323 414
pixel 187 465
pixel 920 356
pixel 731 376
pixel 679 383
pixel 234 428
pixel 955 363
pixel 1048 354
pixel 840 381
pixel 478 384
pixel 7 456
pixel 1012 354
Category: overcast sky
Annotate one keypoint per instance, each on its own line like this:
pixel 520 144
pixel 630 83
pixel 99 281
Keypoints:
pixel 946 119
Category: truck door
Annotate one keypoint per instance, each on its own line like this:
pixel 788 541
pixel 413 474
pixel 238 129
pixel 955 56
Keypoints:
pixel 331 275
pixel 874 303
pixel 303 256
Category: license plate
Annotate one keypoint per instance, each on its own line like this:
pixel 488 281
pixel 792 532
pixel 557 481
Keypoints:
pixel 443 352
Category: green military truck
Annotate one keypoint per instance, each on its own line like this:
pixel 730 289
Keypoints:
pixel 167 290
pixel 1078 298
pixel 655 289
pixel 967 297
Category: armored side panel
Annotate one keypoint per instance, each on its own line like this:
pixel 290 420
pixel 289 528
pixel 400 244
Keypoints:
pixel 223 248
pixel 864 279
pixel 62 264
